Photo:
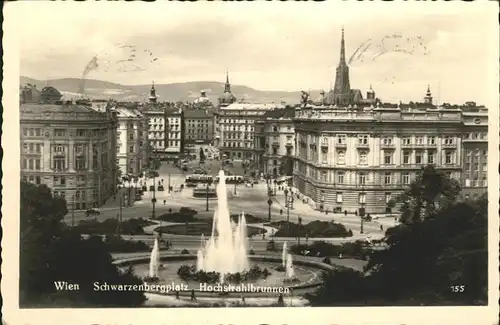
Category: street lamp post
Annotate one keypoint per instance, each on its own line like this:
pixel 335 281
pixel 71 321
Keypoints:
pixel 269 202
pixel 73 212
pixel 287 206
pixel 362 212
pixel 208 184
pixel 153 200
pixel 235 188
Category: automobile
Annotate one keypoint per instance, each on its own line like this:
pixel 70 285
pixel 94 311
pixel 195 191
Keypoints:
pixel 161 188
pixel 153 173
pixel 92 211
pixel 151 187
pixel 200 171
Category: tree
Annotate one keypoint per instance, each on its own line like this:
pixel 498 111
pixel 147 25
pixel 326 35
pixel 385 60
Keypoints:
pixel 441 242
pixel 52 252
pixel 202 155
pixel 431 188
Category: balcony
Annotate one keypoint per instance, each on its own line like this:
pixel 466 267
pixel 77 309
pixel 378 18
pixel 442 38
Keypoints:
pixel 289 144
pixel 387 145
pixel 449 145
pixel 431 145
pixel 59 154
pixel 361 145
pixel 341 145
pixel 275 144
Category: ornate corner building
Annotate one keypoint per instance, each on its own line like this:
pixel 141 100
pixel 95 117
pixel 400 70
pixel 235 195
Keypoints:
pixel 69 147
pixel 353 153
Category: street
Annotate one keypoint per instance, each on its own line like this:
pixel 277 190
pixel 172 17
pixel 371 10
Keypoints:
pixel 251 200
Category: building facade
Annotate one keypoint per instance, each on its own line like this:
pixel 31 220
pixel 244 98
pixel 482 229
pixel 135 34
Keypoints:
pixel 351 159
pixel 132 145
pixel 199 126
pixel 174 130
pixel 475 150
pixel 236 128
pixel 275 142
pixel 70 148
pixel 156 118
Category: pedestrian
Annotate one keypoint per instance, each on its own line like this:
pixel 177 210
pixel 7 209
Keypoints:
pixel 193 297
pixel 381 227
pixel 164 202
pixel 177 295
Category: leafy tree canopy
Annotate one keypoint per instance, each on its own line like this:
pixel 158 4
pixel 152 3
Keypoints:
pixel 440 243
pixel 51 252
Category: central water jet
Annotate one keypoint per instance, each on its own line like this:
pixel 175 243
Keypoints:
pixel 226 249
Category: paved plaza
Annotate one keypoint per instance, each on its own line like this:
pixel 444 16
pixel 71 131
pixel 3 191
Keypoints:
pixel 241 198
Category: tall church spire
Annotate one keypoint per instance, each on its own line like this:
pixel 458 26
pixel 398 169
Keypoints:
pixel 342 48
pixel 227 86
pixel 342 89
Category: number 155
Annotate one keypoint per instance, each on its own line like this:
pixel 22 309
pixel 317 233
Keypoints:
pixel 460 288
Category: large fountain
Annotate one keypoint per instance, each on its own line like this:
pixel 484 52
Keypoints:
pixel 223 258
pixel 226 249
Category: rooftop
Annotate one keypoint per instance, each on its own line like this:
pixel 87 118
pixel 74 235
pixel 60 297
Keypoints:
pixel 54 108
pixel 252 106
pixel 124 112
pixel 197 113
pixel 286 113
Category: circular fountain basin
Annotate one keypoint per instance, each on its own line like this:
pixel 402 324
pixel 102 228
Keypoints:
pixel 307 273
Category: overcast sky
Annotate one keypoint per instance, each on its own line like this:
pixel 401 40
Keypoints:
pixel 267 45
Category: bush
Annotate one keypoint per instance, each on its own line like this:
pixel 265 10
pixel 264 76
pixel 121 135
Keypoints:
pixel 313 229
pixel 110 226
pixel 197 229
pixel 188 211
pixel 249 218
pixel 185 251
pixel 117 244
pixel 323 249
pixel 189 273
pixel 177 217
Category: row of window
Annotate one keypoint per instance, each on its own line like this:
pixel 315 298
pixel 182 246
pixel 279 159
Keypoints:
pixel 475 136
pixel 238 136
pixel 288 128
pixel 199 130
pixel 362 178
pixel 238 145
pixel 362 139
pixel 236 121
pixel 37 132
pixel 57 180
pixel 420 157
pixel 200 136
pixel 59 163
pixel 339 198
pixel 238 128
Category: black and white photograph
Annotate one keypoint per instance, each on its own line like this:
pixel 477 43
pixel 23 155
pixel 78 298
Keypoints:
pixel 173 156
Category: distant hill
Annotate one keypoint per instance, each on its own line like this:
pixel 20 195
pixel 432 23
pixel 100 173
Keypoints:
pixel 186 91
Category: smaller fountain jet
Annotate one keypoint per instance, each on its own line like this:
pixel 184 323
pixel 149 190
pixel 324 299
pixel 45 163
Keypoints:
pixel 289 270
pixel 283 254
pixel 154 263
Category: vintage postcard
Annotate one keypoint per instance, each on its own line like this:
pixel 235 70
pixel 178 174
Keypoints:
pixel 266 162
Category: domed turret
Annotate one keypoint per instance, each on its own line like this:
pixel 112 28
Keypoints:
pixel 152 94
pixel 227 97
